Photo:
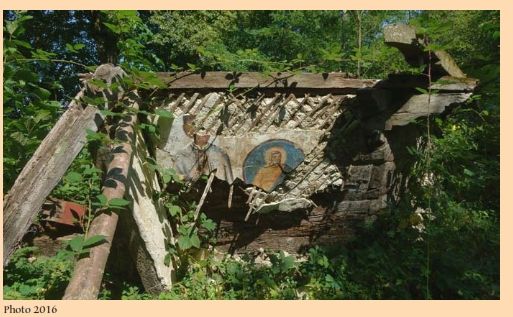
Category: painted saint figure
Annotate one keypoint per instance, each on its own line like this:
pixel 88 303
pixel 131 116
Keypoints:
pixel 271 173
pixel 267 165
pixel 201 158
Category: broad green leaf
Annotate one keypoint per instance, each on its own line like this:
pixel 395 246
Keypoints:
pixel 102 199
pixel 166 178
pixel 195 241
pixel 70 48
pixel 287 263
pixel 11 26
pixel 173 209
pixel 22 44
pixel 74 177
pixel 77 243
pixel 167 259
pixel 114 28
pixel 118 202
pixel 184 242
pixel 163 113
pixel 208 224
pixel 109 113
pixel 421 90
pixel 468 172
pixel 94 241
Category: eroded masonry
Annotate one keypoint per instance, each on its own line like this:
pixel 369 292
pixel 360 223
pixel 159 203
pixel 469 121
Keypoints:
pixel 283 161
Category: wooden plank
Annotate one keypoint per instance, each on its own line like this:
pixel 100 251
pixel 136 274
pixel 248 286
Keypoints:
pixel 223 80
pixel 147 231
pixel 44 170
pixel 422 105
pixel 442 84
pixel 88 274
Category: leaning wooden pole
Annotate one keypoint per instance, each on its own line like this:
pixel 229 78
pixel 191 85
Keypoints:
pixel 87 276
pixel 44 170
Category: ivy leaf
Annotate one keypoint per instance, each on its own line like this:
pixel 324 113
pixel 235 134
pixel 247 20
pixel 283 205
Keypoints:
pixel 167 259
pixel 166 178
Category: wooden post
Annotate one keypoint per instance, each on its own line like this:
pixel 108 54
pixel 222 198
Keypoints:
pixel 44 170
pixel 87 277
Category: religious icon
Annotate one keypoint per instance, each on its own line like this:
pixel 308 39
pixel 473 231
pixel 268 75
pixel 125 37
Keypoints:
pixel 268 163
pixel 201 157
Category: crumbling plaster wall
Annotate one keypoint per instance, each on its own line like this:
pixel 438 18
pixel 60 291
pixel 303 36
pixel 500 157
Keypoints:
pixel 348 171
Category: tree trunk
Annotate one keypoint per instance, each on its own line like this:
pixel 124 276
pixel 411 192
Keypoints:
pixel 359 20
pixel 87 277
pixel 106 41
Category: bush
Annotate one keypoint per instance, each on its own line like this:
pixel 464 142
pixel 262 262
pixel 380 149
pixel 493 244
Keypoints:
pixel 29 277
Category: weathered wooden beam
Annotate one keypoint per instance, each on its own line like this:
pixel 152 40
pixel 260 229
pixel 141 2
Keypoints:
pixel 225 80
pixel 87 276
pixel 148 230
pixel 442 84
pixel 44 170
pixel 423 105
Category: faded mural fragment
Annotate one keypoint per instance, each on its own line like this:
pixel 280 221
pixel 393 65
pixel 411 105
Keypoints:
pixel 267 164
pixel 260 159
pixel 202 158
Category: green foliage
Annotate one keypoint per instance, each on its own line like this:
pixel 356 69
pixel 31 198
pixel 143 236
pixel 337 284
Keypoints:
pixel 82 181
pixel 313 41
pixel 191 234
pixel 462 197
pixel 29 109
pixel 81 246
pixel 441 242
pixel 30 277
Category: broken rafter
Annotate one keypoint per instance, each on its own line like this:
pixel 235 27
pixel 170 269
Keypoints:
pixel 225 80
pixel 44 170
pixel 205 192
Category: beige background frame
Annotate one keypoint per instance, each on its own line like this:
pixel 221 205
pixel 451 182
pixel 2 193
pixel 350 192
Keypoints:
pixel 314 308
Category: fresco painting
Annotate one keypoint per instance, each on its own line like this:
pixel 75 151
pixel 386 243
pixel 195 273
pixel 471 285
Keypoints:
pixel 268 163
pixel 201 157
pixel 262 160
